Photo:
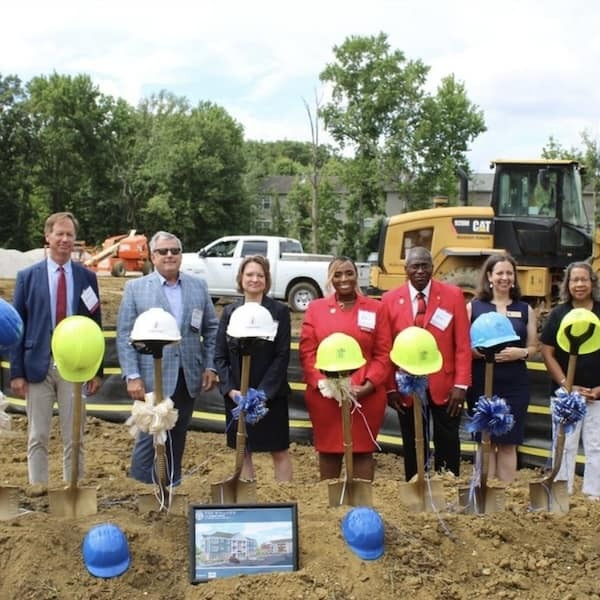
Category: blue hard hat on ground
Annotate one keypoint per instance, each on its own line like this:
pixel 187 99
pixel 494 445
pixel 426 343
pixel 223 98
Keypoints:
pixel 362 528
pixel 105 551
pixel 11 325
pixel 492 329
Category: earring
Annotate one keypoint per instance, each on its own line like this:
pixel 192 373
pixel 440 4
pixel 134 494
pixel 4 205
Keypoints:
pixel 491 285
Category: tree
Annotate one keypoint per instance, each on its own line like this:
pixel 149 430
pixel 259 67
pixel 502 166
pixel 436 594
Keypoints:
pixel 15 165
pixel 399 133
pixel 71 126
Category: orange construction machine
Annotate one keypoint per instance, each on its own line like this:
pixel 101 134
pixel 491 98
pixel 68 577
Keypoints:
pixel 121 254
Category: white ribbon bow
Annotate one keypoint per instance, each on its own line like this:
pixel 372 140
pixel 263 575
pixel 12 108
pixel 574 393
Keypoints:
pixel 155 419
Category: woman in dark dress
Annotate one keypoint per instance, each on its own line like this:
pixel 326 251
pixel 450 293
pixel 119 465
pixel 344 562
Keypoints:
pixel 499 291
pixel 268 372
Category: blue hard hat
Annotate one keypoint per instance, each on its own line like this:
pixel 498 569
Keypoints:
pixel 492 329
pixel 105 551
pixel 11 325
pixel 362 528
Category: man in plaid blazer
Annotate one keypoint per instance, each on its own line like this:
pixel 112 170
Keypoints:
pixel 187 367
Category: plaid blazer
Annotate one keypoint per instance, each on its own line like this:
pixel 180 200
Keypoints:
pixel 193 354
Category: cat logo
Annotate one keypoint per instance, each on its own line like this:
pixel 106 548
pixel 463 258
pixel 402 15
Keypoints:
pixel 482 225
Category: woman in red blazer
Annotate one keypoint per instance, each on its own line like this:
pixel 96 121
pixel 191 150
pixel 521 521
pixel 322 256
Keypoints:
pixel 347 311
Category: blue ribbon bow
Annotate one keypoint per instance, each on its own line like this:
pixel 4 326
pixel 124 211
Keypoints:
pixel 491 415
pixel 253 404
pixel 568 408
pixel 411 384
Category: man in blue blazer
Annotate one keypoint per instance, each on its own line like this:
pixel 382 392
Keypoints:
pixel 187 366
pixel 33 373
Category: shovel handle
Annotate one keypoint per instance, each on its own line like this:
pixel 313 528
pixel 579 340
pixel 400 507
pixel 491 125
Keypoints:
pixel 347 434
pixel 418 421
pixel 76 435
pixel 240 437
pixel 560 438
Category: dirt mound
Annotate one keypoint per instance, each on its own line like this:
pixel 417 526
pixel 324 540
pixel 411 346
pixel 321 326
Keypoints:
pixel 512 554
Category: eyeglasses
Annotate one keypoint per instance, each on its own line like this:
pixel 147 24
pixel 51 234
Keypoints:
pixel 165 251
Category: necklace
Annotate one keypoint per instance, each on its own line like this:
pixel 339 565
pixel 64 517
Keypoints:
pixel 343 304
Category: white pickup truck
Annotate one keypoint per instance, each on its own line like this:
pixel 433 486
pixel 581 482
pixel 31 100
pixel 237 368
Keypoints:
pixel 296 277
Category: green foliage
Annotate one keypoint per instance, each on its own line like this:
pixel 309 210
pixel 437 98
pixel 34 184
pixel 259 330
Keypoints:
pixel 400 134
pixel 15 165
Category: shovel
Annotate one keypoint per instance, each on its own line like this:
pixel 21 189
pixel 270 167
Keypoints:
pixel 421 494
pixel 74 501
pixel 163 498
pixel 9 503
pixel 549 494
pixel 234 490
pixel 484 499
pixel 353 492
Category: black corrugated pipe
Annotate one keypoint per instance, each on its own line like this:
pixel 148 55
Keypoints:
pixel 463 195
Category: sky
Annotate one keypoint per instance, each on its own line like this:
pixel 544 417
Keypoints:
pixel 530 66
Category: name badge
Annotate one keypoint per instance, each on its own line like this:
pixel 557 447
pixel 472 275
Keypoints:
pixel 90 299
pixel 196 322
pixel 366 319
pixel 514 313
pixel 441 319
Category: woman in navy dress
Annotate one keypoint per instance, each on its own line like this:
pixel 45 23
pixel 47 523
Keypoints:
pixel 499 291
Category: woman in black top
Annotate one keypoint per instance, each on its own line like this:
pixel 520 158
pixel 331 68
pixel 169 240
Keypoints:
pixel 579 290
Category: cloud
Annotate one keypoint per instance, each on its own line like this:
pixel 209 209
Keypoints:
pixel 529 66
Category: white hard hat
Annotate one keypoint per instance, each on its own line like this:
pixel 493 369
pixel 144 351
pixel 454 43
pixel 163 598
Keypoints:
pixel 155 325
pixel 252 320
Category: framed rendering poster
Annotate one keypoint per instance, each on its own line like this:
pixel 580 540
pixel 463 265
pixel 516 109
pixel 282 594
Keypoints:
pixel 242 539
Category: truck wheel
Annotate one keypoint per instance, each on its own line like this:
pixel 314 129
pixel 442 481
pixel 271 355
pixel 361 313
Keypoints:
pixel 466 278
pixel 300 295
pixel 147 267
pixel 118 269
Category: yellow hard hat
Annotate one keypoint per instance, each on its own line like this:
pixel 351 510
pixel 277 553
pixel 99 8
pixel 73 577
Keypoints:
pixel 416 352
pixel 77 348
pixel 585 327
pixel 339 352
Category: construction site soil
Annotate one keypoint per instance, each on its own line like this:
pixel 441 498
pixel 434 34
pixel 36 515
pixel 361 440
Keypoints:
pixel 516 553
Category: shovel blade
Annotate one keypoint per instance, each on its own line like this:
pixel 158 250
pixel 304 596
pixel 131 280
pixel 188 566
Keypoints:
pixel 9 502
pixel 176 504
pixel 357 492
pixel 233 491
pixel 483 501
pixel 422 496
pixel 552 496
pixel 73 502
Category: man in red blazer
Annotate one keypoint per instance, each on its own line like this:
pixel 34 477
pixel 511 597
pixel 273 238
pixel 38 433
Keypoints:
pixel 446 318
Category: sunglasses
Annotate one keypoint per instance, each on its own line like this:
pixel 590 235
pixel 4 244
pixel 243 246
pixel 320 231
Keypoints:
pixel 165 251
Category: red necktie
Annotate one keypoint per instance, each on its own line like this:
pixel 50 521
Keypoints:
pixel 61 296
pixel 421 308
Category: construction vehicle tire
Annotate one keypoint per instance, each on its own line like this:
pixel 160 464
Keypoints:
pixel 466 278
pixel 118 269
pixel 147 267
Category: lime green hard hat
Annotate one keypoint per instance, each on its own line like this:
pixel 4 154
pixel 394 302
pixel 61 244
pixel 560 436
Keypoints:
pixel 580 320
pixel 339 352
pixel 416 352
pixel 77 348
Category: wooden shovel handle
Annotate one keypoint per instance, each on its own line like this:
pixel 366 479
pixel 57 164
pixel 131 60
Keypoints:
pixel 76 435
pixel 240 437
pixel 347 433
pixel 485 435
pixel 560 439
pixel 418 421
pixel 161 456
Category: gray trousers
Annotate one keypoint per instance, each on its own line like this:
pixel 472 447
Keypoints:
pixel 40 401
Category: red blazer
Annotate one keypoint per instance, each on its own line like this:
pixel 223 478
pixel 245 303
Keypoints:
pixel 454 342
